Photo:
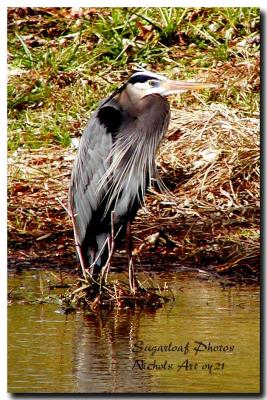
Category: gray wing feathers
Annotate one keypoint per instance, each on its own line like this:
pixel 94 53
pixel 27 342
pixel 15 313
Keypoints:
pixel 90 166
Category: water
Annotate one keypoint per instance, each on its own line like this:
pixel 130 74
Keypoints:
pixel 137 351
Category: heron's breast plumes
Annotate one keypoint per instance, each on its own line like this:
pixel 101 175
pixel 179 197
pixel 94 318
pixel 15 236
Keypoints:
pixel 132 156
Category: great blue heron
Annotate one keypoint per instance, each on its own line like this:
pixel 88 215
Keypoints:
pixel 115 164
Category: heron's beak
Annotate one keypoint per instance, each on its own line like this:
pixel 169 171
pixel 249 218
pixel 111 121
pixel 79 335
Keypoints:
pixel 172 87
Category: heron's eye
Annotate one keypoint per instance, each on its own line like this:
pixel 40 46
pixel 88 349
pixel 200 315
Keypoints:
pixel 152 83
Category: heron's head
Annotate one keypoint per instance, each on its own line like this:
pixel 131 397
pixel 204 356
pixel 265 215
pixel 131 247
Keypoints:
pixel 145 83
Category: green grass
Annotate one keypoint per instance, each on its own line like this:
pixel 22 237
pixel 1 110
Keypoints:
pixel 61 64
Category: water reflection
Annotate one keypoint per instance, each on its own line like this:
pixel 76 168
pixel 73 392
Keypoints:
pixel 50 352
pixel 102 354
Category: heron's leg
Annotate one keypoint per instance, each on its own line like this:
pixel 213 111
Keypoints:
pixel 105 269
pixel 111 246
pixel 129 243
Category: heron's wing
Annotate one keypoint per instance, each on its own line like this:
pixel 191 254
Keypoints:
pixel 90 166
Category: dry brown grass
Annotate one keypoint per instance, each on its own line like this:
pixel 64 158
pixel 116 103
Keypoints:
pixel 219 152
pixel 39 227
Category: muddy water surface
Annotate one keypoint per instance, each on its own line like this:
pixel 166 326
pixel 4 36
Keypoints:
pixel 206 341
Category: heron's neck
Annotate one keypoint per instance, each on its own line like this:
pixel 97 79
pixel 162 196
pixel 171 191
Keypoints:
pixel 129 103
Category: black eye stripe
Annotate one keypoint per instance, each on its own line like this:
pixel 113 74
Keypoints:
pixel 141 79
